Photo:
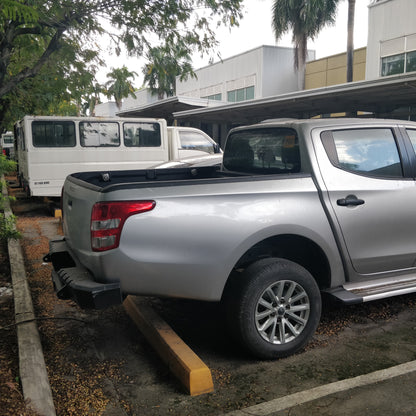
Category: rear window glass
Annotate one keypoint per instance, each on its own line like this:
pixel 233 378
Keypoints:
pixel 8 139
pixel 53 133
pixel 263 151
pixel 191 140
pixel 99 134
pixel 142 135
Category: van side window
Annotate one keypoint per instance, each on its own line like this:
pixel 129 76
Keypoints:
pixel 372 152
pixel 142 135
pixel 263 151
pixel 53 134
pixel 99 134
pixel 412 136
pixel 195 141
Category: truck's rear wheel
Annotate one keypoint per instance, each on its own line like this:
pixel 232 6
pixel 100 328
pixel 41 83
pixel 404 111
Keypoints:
pixel 274 308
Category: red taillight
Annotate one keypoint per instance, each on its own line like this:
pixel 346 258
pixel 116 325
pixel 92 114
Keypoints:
pixel 107 220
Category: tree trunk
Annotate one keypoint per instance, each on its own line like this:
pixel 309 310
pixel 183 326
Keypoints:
pixel 350 41
pixel 300 62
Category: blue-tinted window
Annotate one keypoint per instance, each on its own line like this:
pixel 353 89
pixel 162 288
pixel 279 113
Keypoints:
pixel 370 151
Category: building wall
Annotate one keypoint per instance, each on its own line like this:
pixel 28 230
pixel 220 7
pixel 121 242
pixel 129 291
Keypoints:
pixel 278 76
pixel 143 97
pixel 386 36
pixel 213 79
pixel 332 70
pixel 107 109
pixel 268 68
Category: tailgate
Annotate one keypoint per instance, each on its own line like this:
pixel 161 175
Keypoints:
pixel 77 203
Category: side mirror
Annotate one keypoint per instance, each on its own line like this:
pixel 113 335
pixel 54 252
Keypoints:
pixel 217 148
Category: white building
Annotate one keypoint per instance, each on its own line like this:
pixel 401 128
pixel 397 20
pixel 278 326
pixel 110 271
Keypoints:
pixel 391 47
pixel 109 109
pixel 261 72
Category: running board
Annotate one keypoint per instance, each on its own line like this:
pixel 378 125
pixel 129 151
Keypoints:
pixel 372 290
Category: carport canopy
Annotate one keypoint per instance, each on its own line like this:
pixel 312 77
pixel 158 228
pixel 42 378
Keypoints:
pixel 166 107
pixel 381 97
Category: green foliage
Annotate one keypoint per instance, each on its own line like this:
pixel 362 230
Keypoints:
pixel 49 53
pixel 16 10
pixel 8 227
pixel 7 224
pixel 6 165
pixel 305 19
pixel 165 63
pixel 119 85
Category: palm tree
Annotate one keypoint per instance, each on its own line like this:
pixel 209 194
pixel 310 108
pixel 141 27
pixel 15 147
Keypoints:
pixel 119 84
pixel 165 63
pixel 305 18
pixel 350 40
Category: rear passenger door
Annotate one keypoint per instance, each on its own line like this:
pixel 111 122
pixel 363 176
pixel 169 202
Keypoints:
pixel 371 197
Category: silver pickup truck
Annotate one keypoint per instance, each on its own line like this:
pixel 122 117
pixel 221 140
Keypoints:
pixel 299 209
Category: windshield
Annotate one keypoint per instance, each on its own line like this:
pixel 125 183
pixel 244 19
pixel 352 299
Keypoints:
pixel 263 151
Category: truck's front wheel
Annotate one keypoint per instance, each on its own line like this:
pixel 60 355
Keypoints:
pixel 275 308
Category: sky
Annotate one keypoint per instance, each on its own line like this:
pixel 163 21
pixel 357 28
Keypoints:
pixel 255 30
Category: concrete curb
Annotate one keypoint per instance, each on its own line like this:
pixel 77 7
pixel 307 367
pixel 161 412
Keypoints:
pixel 302 397
pixel 33 375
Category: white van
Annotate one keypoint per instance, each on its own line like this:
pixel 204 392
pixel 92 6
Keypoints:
pixel 49 147
pixel 7 144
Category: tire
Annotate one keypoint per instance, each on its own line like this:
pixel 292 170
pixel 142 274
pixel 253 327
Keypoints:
pixel 273 308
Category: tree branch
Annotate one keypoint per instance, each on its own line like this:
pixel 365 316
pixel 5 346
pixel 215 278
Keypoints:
pixel 31 72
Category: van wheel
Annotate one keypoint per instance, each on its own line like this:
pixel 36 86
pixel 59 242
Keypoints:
pixel 274 308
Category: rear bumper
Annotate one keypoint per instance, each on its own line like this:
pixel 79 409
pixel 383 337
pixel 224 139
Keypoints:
pixel 72 281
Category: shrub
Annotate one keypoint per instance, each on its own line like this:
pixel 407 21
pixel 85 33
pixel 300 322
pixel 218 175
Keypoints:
pixel 7 224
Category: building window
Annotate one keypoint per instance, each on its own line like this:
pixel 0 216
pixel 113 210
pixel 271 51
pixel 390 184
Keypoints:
pixel 250 93
pixel 216 97
pixel 411 61
pixel 242 94
pixel 398 64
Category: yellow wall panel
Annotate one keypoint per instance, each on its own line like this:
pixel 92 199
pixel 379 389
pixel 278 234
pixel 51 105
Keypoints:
pixel 359 72
pixel 316 80
pixel 319 65
pixel 337 76
pixel 332 70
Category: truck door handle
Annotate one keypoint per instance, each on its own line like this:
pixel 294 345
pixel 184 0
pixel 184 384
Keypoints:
pixel 350 200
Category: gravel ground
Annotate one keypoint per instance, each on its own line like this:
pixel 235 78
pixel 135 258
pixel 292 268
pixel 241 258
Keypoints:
pixel 99 364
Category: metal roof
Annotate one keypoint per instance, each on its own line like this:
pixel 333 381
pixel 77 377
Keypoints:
pixel 166 107
pixel 380 96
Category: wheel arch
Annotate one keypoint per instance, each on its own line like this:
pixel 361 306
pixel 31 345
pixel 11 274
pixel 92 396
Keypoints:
pixel 296 248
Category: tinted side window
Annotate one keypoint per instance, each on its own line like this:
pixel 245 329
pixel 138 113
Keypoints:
pixel 99 134
pixel 264 151
pixel 367 151
pixel 53 133
pixel 412 135
pixel 142 135
pixel 191 140
pixel 20 138
pixel 8 140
